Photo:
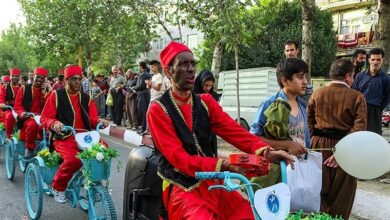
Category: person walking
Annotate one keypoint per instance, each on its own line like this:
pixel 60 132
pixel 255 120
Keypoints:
pixel 143 95
pixel 131 100
pixel 375 86
pixel 116 85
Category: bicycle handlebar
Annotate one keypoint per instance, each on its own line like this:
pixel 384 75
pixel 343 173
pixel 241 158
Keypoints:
pixel 70 128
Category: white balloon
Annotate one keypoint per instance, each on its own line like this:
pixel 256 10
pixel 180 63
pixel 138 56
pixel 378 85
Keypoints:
pixel 363 154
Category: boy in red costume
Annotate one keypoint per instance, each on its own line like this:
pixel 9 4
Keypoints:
pixel 8 93
pixel 71 107
pixel 31 98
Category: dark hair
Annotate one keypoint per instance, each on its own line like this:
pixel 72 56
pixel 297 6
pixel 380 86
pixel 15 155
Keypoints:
pixel 288 67
pixel 96 81
pixel 376 51
pixel 154 62
pixel 61 77
pixel 25 78
pixel 358 51
pixel 340 68
pixel 289 42
pixel 143 65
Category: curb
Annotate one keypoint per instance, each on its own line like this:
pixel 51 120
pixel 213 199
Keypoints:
pixel 122 133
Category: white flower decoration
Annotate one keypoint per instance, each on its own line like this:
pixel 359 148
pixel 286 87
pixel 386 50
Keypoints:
pixel 99 156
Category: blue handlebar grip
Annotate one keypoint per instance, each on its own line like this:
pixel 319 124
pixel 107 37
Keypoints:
pixel 209 175
pixel 283 170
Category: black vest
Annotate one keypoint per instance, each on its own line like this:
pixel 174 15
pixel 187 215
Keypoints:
pixel 27 97
pixel 196 142
pixel 27 102
pixel 9 95
pixel 65 113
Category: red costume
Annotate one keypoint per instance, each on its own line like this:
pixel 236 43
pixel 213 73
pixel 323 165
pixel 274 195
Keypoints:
pixel 67 147
pixel 199 203
pixel 7 97
pixel 30 99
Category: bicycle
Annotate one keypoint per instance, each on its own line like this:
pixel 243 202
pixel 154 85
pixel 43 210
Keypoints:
pixel 269 202
pixel 15 150
pixel 2 131
pixel 94 200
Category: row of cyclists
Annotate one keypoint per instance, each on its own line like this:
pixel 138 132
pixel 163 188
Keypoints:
pixel 68 106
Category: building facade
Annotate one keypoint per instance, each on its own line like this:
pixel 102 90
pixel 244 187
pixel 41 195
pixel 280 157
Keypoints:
pixel 355 22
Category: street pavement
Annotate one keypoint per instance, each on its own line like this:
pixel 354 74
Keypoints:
pixel 12 202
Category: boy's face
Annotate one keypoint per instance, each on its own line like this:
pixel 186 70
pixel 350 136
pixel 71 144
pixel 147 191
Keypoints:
pixel 296 86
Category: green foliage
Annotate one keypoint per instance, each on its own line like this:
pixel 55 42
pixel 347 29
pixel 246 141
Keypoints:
pixel 16 135
pixel 50 159
pixel 2 127
pixel 317 216
pixel 98 150
pixel 15 50
pixel 271 23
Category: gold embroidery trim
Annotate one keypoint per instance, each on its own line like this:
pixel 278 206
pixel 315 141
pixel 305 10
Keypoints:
pixel 187 189
pixel 219 165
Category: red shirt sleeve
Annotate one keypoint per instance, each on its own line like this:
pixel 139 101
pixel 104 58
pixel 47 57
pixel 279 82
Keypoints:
pixel 93 115
pixel 49 112
pixel 19 101
pixel 229 130
pixel 2 94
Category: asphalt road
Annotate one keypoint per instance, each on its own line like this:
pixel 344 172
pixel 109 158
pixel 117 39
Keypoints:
pixel 12 202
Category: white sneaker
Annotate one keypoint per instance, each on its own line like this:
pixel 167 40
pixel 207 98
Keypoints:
pixel 59 196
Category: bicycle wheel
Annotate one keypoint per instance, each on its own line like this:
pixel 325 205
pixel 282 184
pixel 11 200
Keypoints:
pixel 10 159
pixel 101 205
pixel 33 191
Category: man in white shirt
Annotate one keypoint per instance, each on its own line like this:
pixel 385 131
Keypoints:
pixel 156 83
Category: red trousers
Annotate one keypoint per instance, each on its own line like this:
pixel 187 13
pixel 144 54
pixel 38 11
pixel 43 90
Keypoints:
pixel 9 122
pixel 67 149
pixel 206 205
pixel 29 133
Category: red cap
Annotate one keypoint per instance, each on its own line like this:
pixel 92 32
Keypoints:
pixel 72 71
pixel 6 79
pixel 14 71
pixel 170 51
pixel 40 71
pixel 60 72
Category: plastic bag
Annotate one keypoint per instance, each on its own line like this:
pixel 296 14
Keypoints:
pixel 305 183
pixel 109 100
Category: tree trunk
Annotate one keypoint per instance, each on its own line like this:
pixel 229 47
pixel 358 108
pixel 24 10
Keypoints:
pixel 89 62
pixel 216 63
pixel 80 56
pixel 308 10
pixel 383 39
pixel 237 84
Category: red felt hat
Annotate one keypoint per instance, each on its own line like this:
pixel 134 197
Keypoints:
pixel 40 71
pixel 60 72
pixel 72 71
pixel 170 51
pixel 14 71
pixel 6 79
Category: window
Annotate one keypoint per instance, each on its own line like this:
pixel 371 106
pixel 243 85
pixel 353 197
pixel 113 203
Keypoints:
pixel 192 41
pixel 344 30
pixel 160 44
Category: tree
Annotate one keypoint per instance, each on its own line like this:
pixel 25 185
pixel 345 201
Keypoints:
pixel 74 25
pixel 15 50
pixel 223 21
pixel 383 39
pixel 308 10
pixel 271 23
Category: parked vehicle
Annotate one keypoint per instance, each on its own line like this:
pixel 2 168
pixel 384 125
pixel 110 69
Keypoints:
pixel 255 86
pixel 386 118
